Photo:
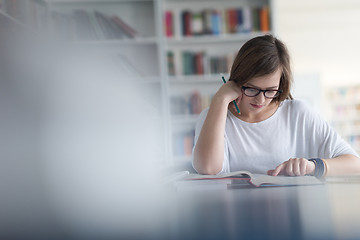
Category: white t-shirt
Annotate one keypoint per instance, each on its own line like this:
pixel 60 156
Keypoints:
pixel 294 130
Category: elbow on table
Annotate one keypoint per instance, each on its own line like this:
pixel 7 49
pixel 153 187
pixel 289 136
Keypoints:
pixel 203 166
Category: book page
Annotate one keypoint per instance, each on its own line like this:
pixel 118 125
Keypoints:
pixel 237 174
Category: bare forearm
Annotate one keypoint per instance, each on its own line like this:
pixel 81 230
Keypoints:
pixel 344 164
pixel 209 149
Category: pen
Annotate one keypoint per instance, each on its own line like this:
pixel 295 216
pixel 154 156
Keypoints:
pixel 237 108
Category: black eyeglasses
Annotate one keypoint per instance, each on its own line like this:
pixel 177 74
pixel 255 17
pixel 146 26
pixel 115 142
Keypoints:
pixel 253 92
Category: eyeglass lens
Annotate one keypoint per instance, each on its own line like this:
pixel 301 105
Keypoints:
pixel 252 92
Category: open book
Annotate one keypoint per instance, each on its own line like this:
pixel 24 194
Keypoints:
pixel 259 179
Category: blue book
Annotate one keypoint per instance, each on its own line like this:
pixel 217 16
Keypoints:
pixel 240 20
pixel 216 23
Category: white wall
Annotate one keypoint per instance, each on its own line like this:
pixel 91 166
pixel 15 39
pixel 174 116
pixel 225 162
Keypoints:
pixel 323 37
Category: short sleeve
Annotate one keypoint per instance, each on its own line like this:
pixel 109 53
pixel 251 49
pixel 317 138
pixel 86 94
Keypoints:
pixel 322 139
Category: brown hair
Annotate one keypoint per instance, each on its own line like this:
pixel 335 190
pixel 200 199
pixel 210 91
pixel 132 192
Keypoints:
pixel 261 56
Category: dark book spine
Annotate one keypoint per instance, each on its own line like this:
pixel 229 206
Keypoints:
pixel 240 20
pixel 256 20
pixel 207 21
pixel 186 23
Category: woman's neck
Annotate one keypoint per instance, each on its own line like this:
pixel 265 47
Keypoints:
pixel 254 118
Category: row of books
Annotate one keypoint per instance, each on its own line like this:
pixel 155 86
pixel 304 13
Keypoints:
pixel 345 93
pixel 84 25
pixel 346 128
pixel 183 143
pixel 33 13
pixel 349 110
pixel 189 104
pixel 197 63
pixel 216 21
pixel 345 113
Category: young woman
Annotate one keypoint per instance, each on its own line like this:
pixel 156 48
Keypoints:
pixel 273 133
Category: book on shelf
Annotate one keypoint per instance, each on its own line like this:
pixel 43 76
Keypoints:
pixel 195 101
pixel 84 27
pixel 189 104
pixel 197 25
pixel 261 19
pixel 199 63
pixel 258 180
pixel 207 21
pixel 264 19
pixel 171 63
pixel 189 63
pixel 126 28
pixel 224 21
pixel 344 111
pixel 183 143
pixel 216 23
pixel 104 25
pixel 247 21
pixel 186 23
pixel 255 26
pixel 95 25
pixel 232 20
pixel 169 23
pixel 110 27
pixel 239 20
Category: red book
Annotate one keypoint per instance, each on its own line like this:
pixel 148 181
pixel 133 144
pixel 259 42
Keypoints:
pixel 232 20
pixel 169 24
pixel 199 62
pixel 196 103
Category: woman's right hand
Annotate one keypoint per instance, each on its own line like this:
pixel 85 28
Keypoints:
pixel 229 91
pixel 209 149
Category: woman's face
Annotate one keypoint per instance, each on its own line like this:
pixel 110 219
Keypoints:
pixel 257 104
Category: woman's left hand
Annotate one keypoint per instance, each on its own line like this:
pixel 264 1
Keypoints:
pixel 294 167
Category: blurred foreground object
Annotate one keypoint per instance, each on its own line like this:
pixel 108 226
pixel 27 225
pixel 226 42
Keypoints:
pixel 79 146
